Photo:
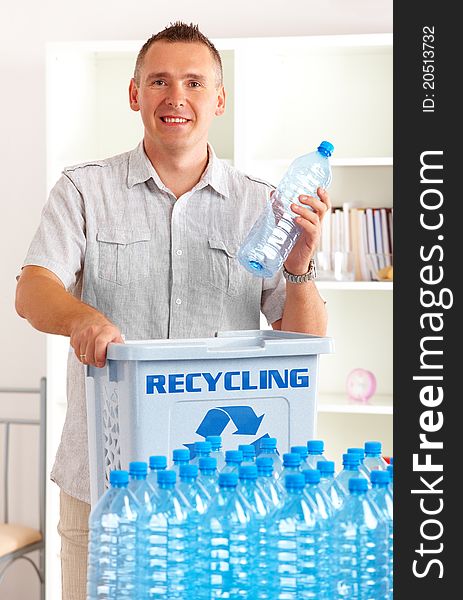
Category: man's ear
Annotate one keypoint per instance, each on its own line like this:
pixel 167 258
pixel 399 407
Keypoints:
pixel 133 95
pixel 220 102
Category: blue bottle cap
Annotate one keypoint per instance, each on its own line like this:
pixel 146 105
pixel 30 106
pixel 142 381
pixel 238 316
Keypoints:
pixel 380 477
pixel 228 479
pixel 215 440
pixel 188 470
pixel 350 459
pixel 302 450
pixel 203 446
pixel 167 476
pixel 264 462
pixel 326 148
pixel 233 456
pixel 158 462
pixel 268 443
pixel 373 447
pixel 391 460
pixel 390 469
pixel 359 484
pixel 248 472
pixel 137 468
pixel 248 450
pixel 315 446
pixel 118 477
pixel 207 463
pixel 181 454
pixel 291 459
pixel 311 475
pixel 295 481
pixel 325 466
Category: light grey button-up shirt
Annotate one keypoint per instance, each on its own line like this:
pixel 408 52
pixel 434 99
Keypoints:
pixel 156 266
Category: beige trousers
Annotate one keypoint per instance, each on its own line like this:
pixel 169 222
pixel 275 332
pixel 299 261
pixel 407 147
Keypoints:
pixel 73 529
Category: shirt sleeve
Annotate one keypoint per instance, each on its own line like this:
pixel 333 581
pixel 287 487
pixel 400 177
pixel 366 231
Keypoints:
pixel 59 242
pixel 273 297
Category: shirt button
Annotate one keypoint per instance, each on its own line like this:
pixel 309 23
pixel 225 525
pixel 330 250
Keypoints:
pixel 179 252
pixel 178 301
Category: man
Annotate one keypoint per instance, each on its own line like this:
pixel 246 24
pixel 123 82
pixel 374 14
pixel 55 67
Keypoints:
pixel 144 245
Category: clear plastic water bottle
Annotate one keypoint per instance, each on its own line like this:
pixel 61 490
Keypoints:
pixel 324 539
pixel 291 464
pixel 293 539
pixel 139 485
pixel 192 489
pixel 249 453
pixel 227 545
pixel 216 451
pixel 315 450
pixel 112 550
pixel 303 452
pixel 275 232
pixel 266 482
pixel 180 456
pixel 201 449
pixel 233 460
pixel 208 475
pixel 360 538
pixel 382 497
pixel 156 463
pixel 327 477
pixel 268 446
pixel 263 511
pixel 172 543
pixel 373 460
pixel 361 454
pixel 350 469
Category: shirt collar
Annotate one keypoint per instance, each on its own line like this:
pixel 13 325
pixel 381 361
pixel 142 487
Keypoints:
pixel 140 170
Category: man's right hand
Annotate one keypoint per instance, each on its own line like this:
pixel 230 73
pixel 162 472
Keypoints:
pixel 90 338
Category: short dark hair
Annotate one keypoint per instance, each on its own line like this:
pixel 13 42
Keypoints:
pixel 180 32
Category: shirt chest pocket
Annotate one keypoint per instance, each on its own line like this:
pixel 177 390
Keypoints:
pixel 123 255
pixel 225 272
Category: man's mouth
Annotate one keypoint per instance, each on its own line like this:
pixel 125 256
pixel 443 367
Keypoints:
pixel 174 120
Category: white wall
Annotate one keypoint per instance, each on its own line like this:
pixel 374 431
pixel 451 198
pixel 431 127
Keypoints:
pixel 24 32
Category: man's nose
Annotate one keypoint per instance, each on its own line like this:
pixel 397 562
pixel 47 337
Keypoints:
pixel 176 98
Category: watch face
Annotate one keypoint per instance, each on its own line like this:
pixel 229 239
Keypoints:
pixel 361 384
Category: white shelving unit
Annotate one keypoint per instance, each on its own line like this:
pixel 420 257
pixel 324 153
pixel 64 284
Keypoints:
pixel 284 95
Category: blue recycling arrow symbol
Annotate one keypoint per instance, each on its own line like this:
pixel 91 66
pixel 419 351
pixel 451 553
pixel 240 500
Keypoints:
pixel 216 419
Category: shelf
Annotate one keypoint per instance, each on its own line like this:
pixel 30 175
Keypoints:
pixel 356 286
pixel 338 403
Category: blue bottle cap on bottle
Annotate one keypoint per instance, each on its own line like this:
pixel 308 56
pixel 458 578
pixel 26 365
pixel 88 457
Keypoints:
pixel 248 450
pixel 181 454
pixel 158 462
pixel 380 477
pixel 203 446
pixel 359 451
pixel 248 472
pixel 215 440
pixel 291 459
pixel 373 447
pixel 207 463
pixel 311 475
pixel 350 459
pixel 167 476
pixel 295 481
pixel 268 443
pixel 187 471
pixel 228 479
pixel 119 477
pixel 302 450
pixel 137 468
pixel 233 456
pixel 325 466
pixel 326 148
pixel 390 469
pixel 264 462
pixel 315 446
pixel 359 484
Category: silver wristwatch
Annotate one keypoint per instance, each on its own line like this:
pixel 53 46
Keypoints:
pixel 311 274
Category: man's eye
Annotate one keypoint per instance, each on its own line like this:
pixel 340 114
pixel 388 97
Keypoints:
pixel 159 82
pixel 195 84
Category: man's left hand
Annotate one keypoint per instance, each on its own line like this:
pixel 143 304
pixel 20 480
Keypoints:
pixel 310 222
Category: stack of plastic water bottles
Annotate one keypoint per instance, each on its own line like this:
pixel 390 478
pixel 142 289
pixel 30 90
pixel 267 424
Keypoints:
pixel 236 526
